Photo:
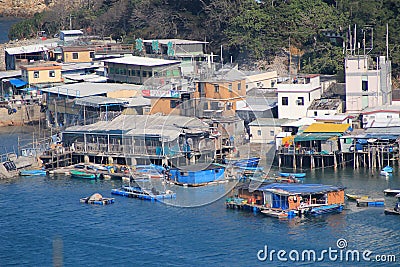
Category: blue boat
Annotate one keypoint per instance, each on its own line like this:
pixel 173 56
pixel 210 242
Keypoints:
pixel 32 173
pixel 325 209
pixel 388 169
pixel 145 194
pixel 294 174
pixel 250 162
pixel 197 174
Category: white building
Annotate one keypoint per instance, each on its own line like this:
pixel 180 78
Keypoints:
pixel 264 130
pixel 382 114
pixel 324 107
pixel 368 83
pixel 70 35
pixel 295 98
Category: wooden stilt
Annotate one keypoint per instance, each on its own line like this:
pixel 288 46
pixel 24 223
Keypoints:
pixel 334 161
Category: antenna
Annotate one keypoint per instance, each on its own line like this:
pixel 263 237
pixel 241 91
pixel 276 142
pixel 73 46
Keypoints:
pixel 387 42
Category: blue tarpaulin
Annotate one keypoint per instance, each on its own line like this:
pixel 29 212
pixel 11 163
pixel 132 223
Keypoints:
pixel 18 82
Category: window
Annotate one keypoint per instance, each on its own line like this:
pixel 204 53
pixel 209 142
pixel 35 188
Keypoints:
pixel 285 101
pixel 174 103
pixel 216 88
pixel 259 132
pixel 230 87
pixel 239 86
pixel 272 133
pixel 35 74
pixel 75 55
pixel 300 101
pixel 315 113
pixel 91 55
pixel 52 73
pixel 365 86
pixel 389 116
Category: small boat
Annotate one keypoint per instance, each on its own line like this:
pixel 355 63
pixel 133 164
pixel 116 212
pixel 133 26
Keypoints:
pixel 371 202
pixel 396 209
pixel 32 173
pixel 146 194
pixel 322 209
pixel 294 174
pixel 391 192
pixel 355 197
pixel 83 175
pixel 97 199
pixel 388 169
pixel 249 163
pixel 281 214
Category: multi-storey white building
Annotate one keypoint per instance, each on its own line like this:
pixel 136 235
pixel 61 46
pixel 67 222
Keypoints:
pixel 294 98
pixel 368 82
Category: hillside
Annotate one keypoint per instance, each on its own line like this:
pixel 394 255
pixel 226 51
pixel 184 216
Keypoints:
pixel 314 31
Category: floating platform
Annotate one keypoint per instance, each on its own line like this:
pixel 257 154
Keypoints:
pixel 355 197
pixel 138 192
pixel 370 202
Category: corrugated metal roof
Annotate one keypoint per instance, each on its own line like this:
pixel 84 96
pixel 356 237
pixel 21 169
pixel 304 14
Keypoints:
pixel 299 123
pixel 125 123
pixel 36 48
pixel 285 189
pixel 97 101
pixel 268 122
pixel 142 61
pixel 87 89
pixel 327 128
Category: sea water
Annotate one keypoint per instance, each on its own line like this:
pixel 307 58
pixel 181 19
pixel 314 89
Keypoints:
pixel 43 223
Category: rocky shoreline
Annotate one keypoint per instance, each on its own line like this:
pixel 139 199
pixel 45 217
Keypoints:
pixel 21 8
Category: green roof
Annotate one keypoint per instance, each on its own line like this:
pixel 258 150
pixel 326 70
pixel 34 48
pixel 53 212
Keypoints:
pixel 314 137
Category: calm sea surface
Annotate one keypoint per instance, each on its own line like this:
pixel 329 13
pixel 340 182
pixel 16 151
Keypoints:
pixel 5 24
pixel 42 223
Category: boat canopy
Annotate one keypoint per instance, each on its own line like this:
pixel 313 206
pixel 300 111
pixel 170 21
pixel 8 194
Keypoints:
pixel 290 189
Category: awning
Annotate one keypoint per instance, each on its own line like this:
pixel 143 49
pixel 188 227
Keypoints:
pixel 314 137
pixel 18 82
pixel 327 128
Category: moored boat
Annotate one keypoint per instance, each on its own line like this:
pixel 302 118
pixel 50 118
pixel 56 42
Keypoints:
pixel 32 173
pixel 396 209
pixel 294 174
pixel 322 209
pixel 388 169
pixel 83 175
pixel 97 199
pixel 249 163
pixel 391 192
pixel 371 202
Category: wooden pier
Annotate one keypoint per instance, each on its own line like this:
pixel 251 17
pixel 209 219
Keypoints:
pixel 370 158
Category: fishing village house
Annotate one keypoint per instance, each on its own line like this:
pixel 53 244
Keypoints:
pixel 190 53
pixel 77 54
pixel 320 107
pixel 22 55
pixel 40 75
pixel 295 97
pixel 368 82
pixel 261 80
pixel 139 70
pixel 63 107
pixel 70 35
pixel 265 130
pixel 138 139
pixel 379 114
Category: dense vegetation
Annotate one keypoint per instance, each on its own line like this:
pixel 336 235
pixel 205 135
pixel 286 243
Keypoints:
pixel 255 28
